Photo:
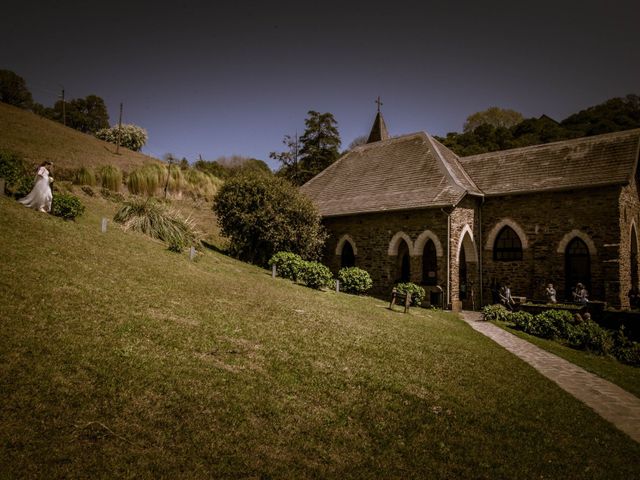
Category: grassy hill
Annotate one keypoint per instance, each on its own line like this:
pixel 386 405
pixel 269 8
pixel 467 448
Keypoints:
pixel 120 359
pixel 37 139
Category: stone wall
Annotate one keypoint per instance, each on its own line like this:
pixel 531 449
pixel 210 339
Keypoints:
pixel 373 234
pixel 629 223
pixel 548 221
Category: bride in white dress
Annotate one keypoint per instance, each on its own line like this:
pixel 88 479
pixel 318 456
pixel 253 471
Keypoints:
pixel 41 196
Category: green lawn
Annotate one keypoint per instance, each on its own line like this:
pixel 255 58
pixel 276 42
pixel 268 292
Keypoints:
pixel 607 367
pixel 121 359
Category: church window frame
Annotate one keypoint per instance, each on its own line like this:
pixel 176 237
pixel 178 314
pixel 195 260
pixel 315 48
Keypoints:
pixel 507 246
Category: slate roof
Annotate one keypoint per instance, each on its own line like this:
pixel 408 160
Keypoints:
pixel 412 171
pixel 600 160
pixel 416 171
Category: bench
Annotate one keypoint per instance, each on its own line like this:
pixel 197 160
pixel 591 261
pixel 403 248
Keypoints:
pixel 400 298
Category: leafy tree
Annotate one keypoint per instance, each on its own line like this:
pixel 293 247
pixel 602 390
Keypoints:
pixel 291 167
pixel 320 143
pixel 87 114
pixel 14 91
pixel 361 140
pixel 497 117
pixel 131 136
pixel 226 167
pixel 262 214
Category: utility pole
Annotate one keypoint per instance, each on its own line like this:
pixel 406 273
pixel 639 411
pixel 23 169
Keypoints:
pixel 166 185
pixel 64 109
pixel 119 130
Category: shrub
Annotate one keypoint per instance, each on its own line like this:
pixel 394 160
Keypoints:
pixel 158 221
pixel 262 214
pixel 66 206
pixel 137 183
pixel 87 190
pixel 521 320
pixel 84 176
pixel 315 275
pixel 132 137
pixel 416 291
pixel 354 280
pixel 551 324
pixel 288 265
pixel 495 312
pixel 588 335
pixel 110 178
pixel 18 179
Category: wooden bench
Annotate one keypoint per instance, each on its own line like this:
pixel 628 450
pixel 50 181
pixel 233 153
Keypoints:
pixel 400 298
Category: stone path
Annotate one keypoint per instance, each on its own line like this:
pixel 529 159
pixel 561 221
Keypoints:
pixel 610 401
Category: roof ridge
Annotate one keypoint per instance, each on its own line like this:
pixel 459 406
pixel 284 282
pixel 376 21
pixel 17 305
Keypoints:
pixel 444 163
pixel 437 145
pixel 570 141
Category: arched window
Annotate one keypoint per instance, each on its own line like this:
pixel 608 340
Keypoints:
pixel 403 262
pixel 634 258
pixel 347 257
pixel 577 265
pixel 429 264
pixel 507 246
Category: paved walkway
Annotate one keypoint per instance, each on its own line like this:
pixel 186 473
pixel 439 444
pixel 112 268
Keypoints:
pixel 610 401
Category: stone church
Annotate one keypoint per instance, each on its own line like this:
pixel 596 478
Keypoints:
pixel 409 209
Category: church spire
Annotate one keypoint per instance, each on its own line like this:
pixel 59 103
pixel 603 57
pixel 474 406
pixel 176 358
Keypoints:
pixel 379 128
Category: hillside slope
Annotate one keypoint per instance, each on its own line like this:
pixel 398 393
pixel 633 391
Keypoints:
pixel 38 139
pixel 120 359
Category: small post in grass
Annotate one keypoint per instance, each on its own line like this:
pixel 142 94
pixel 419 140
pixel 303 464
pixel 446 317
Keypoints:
pixel 192 253
pixel 337 286
pixel 103 228
pixel 273 271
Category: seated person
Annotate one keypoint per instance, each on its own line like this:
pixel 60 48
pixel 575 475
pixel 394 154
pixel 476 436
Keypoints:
pixel 505 296
pixel 550 294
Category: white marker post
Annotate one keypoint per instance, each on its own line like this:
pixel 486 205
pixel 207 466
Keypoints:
pixel 337 286
pixel 192 253
pixel 104 225
pixel 273 271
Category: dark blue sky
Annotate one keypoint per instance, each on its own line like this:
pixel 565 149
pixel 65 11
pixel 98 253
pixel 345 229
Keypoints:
pixel 215 78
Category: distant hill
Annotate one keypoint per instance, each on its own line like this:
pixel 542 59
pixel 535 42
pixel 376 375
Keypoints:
pixel 37 139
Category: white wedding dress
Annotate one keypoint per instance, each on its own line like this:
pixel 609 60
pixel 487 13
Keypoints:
pixel 40 197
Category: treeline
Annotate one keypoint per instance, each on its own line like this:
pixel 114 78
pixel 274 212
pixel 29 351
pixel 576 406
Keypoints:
pixel 488 132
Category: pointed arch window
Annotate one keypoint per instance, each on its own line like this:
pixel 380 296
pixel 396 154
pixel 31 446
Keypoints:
pixel 347 257
pixel 429 264
pixel 577 265
pixel 507 246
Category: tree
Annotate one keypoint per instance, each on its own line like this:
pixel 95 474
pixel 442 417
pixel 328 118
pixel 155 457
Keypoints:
pixel 497 117
pixel 263 214
pixel 130 136
pixel 14 91
pixel 226 167
pixel 361 140
pixel 290 168
pixel 87 114
pixel 320 143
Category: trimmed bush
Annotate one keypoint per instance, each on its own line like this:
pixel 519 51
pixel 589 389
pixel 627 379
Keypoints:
pixel 84 176
pixel 315 275
pixel 110 178
pixel 130 136
pixel 262 215
pixel 354 280
pixel 66 206
pixel 288 265
pixel 416 291
pixel 158 221
pixel 588 335
pixel 495 312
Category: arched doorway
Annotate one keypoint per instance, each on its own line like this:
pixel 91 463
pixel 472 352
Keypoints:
pixel 403 266
pixel 429 264
pixel 463 280
pixel 577 266
pixel 634 258
pixel 347 257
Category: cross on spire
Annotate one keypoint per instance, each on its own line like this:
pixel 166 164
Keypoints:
pixel 379 103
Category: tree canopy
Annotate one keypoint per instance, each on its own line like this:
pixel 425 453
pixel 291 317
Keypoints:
pixel 318 148
pixel 613 115
pixel 227 167
pixel 14 91
pixel 494 116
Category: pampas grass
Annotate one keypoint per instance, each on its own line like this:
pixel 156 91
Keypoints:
pixel 111 178
pixel 84 176
pixel 158 221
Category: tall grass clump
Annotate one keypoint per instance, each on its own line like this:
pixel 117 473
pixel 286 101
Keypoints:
pixel 110 178
pixel 137 183
pixel 158 221
pixel 176 179
pixel 201 184
pixel 84 176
